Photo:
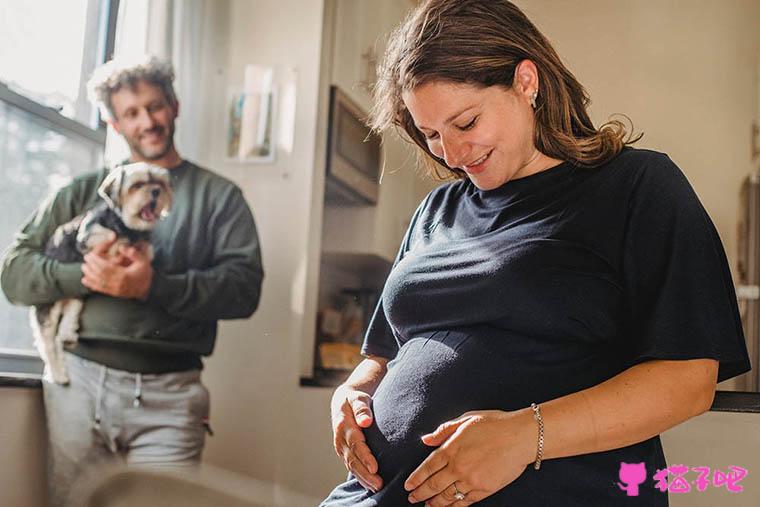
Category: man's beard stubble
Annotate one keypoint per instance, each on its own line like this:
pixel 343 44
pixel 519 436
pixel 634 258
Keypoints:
pixel 169 144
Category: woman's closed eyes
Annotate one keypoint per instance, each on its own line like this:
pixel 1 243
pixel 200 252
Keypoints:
pixel 463 128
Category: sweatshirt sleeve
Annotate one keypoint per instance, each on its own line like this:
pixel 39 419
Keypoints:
pixel 28 276
pixel 230 288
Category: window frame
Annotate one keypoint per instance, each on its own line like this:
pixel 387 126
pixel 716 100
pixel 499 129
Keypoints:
pixel 25 364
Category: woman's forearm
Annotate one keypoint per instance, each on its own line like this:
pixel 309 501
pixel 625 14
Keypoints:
pixel 635 405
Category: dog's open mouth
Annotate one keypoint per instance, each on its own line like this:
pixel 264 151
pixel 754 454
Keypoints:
pixel 148 212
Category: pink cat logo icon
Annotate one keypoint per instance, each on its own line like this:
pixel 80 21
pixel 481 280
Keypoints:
pixel 632 474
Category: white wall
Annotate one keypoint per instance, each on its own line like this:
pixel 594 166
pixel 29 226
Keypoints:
pixel 717 440
pixel 266 425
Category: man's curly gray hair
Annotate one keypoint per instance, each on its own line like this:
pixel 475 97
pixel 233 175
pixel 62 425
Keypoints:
pixel 116 74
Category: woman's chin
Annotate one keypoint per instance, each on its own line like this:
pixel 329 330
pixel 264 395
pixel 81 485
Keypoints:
pixel 483 182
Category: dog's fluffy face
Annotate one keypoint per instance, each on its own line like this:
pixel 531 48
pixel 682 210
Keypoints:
pixel 140 193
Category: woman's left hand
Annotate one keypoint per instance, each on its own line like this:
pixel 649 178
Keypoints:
pixel 479 453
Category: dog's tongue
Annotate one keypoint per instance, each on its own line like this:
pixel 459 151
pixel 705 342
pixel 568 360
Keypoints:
pixel 147 214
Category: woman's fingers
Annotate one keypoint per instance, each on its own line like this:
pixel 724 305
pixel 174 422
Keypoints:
pixel 360 408
pixel 355 464
pixel 443 432
pixel 432 464
pixel 361 450
pixel 436 485
pixel 362 411
pixel 350 444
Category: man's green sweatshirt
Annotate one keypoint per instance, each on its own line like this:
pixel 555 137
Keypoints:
pixel 207 266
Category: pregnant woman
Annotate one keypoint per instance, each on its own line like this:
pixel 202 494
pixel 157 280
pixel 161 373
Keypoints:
pixel 553 310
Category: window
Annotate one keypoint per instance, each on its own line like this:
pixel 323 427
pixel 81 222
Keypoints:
pixel 49 132
pixel 53 75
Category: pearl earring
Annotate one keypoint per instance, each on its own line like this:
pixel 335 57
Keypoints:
pixel 533 97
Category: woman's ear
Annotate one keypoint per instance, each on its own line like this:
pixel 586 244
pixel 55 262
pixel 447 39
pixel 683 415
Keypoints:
pixel 526 78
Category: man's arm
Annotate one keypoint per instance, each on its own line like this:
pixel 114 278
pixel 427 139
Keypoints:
pixel 28 276
pixel 230 289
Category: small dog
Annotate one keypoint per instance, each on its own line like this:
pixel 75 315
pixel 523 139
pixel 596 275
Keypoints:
pixel 135 197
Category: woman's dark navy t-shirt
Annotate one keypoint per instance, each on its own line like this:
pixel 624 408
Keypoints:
pixel 545 286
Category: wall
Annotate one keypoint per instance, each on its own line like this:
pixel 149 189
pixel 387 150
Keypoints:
pixel 266 425
pixel 717 440
pixel 22 447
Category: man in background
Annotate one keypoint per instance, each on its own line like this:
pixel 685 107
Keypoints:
pixel 135 393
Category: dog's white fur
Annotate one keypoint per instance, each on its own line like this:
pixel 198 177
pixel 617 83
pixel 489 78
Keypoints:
pixel 140 194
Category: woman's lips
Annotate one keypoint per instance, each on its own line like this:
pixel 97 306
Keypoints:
pixel 478 165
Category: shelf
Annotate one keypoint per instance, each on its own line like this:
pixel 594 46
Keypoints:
pixel 736 401
pixel 366 265
pixel 325 378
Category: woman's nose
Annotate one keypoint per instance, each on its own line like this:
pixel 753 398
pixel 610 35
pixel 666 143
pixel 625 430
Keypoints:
pixel 454 152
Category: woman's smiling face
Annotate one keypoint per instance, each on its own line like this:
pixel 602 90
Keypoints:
pixel 485 131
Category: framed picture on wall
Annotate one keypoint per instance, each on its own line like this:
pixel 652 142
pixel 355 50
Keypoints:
pixel 250 119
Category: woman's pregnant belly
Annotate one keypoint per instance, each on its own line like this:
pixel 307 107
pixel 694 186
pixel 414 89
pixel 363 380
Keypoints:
pixel 442 375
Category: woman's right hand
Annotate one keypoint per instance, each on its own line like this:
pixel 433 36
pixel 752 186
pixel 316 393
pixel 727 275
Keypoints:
pixel 351 411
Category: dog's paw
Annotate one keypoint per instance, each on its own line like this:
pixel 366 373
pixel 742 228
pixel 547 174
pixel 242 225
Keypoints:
pixel 55 376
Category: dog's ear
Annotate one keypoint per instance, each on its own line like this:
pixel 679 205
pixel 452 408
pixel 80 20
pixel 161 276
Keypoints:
pixel 110 189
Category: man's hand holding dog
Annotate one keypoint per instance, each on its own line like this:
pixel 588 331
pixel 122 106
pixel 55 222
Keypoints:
pixel 127 275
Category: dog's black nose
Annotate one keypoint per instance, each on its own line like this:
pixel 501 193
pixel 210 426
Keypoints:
pixel 155 192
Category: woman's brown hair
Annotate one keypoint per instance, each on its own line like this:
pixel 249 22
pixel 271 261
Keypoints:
pixel 481 42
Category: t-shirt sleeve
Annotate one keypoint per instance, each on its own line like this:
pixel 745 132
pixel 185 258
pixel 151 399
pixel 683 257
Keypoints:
pixel 379 339
pixel 680 298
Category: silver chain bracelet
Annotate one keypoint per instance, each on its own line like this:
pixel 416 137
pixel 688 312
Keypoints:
pixel 540 447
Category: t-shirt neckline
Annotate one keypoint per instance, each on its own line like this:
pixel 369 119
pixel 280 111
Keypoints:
pixel 526 184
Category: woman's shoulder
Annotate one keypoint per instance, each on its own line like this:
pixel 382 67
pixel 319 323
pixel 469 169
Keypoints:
pixel 642 169
pixel 640 160
pixel 652 183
